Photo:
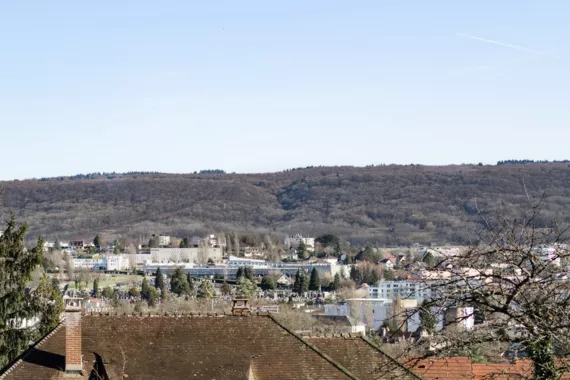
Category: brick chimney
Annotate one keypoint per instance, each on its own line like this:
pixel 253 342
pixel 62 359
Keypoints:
pixel 73 359
pixel 240 306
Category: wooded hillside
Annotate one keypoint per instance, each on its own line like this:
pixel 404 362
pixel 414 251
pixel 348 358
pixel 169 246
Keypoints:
pixel 387 204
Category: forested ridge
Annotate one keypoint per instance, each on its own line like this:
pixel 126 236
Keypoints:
pixel 390 204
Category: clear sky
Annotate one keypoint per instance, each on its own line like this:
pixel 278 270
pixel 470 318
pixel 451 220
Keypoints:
pixel 250 86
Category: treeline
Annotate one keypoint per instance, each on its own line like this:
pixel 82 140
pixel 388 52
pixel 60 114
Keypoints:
pixel 518 162
pixel 96 175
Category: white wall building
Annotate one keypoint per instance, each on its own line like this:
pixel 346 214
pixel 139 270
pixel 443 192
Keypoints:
pixel 108 262
pixel 163 240
pixel 93 263
pixel 294 241
pixel 324 267
pixel 259 267
pixel 393 290
pixel 118 262
pixel 180 255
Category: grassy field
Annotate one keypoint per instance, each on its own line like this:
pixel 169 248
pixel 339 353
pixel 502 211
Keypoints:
pixel 109 280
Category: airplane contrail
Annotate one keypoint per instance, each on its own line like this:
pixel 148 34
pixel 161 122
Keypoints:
pixel 499 43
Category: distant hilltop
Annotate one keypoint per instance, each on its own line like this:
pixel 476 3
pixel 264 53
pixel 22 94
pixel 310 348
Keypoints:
pixel 113 175
pixel 387 204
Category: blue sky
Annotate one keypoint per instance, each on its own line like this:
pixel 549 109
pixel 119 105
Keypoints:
pixel 255 86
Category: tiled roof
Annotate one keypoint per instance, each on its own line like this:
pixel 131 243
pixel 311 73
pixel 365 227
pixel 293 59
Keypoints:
pixel 461 368
pixel 191 347
pixel 443 368
pixel 361 357
pixel 519 370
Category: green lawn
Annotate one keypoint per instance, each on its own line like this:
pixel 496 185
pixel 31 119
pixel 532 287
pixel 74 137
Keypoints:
pixel 109 280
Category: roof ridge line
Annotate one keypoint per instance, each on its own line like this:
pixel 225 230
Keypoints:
pixel 379 349
pixel 318 351
pixel 345 335
pixel 20 358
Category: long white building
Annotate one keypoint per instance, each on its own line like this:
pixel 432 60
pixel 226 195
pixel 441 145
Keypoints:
pixel 180 255
pixel 107 262
pixel 259 267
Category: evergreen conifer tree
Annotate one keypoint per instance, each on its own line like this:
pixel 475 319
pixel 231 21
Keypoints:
pixel 159 280
pixel 239 273
pixel 373 278
pixel 179 283
pixel 96 287
pixel 145 289
pixel 268 283
pixel 98 241
pixel 304 282
pixel 354 273
pixel 246 287
pixel 18 303
pixel 297 283
pixel 52 305
pixel 302 250
pixel 315 282
pixel 248 273
pixel 427 318
pixel 336 282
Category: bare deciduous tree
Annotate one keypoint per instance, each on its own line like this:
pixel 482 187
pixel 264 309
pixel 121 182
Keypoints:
pixel 236 244
pixel 513 278
pixel 69 266
pixel 132 254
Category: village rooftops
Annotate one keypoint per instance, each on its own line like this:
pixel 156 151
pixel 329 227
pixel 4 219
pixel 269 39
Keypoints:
pixel 194 346
pixel 458 368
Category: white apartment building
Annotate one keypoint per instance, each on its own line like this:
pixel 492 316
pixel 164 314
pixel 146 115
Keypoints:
pixel 93 263
pixel 163 240
pixel 393 290
pixel 118 262
pixel 294 241
pixel 108 262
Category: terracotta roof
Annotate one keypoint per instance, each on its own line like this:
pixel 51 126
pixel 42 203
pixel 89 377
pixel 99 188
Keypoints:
pixel 191 347
pixel 521 369
pixel 361 357
pixel 443 368
pixel 461 368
